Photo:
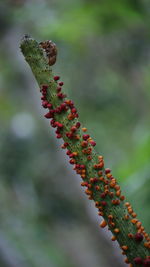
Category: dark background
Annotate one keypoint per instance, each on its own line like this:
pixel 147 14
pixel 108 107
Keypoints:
pixel 104 61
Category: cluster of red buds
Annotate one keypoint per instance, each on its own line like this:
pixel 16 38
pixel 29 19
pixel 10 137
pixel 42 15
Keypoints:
pixel 101 186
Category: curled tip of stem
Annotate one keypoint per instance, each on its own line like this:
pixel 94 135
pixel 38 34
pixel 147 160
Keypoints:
pixel 31 50
pixel 26 38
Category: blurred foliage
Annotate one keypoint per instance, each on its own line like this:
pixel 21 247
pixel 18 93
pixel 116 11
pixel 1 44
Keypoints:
pixel 104 60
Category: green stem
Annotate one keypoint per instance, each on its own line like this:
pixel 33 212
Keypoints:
pixel 100 184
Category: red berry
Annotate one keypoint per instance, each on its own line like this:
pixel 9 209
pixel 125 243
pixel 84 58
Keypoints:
pixel 85 136
pixel 107 170
pixel 146 263
pixel 78 124
pixel 72 161
pixel 58 136
pixel 68 152
pixel 61 95
pixel 82 166
pixel 69 135
pixel 138 237
pixel 63 106
pixel 103 195
pixel 49 105
pixel 44 87
pixel 84 144
pixel 73 128
pixel 77 166
pixel 44 104
pixel 57 131
pixel 58 124
pixel 61 83
pixel 58 110
pixel 93 143
pixel 138 260
pixel 49 115
pixel 44 93
pixel 103 203
pixel 73 110
pixel 65 145
pixel 56 78
pixel 53 123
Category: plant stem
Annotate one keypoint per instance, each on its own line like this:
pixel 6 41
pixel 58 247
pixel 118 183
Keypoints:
pixel 100 184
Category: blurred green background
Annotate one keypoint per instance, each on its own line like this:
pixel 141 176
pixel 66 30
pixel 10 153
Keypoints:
pixel 104 61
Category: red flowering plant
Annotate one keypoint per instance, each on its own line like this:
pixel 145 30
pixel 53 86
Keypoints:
pixel 100 184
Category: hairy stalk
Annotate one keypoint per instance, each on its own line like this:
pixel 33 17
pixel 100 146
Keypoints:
pixel 101 186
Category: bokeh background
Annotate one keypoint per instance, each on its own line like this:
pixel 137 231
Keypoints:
pixel 104 61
